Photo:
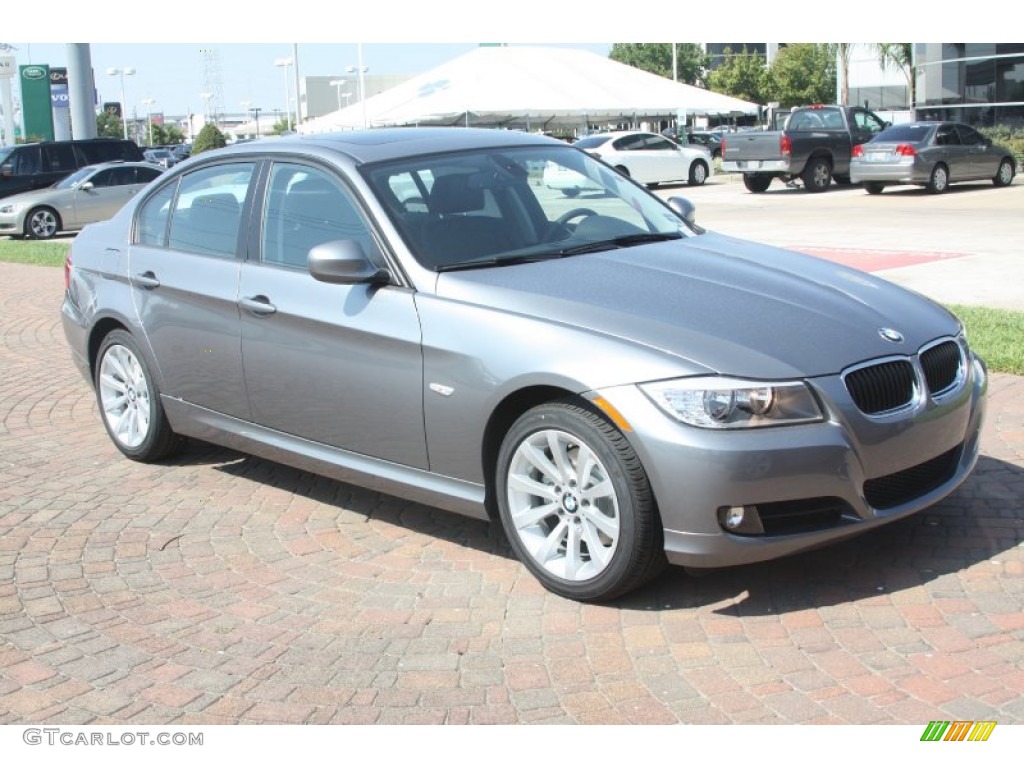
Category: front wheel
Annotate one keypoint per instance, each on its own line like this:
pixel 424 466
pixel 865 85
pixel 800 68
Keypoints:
pixel 817 175
pixel 42 223
pixel 698 173
pixel 129 401
pixel 1004 176
pixel 576 504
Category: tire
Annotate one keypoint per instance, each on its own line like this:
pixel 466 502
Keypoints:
pixel 938 182
pixel 623 170
pixel 129 401
pixel 842 180
pixel 698 173
pixel 817 174
pixel 874 187
pixel 579 544
pixel 42 223
pixel 756 182
pixel 571 192
pixel 1004 176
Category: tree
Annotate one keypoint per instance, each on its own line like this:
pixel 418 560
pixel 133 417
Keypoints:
pixel 899 56
pixel 109 126
pixel 209 137
pixel 803 73
pixel 656 58
pixel 742 75
pixel 167 134
pixel 281 126
pixel 842 52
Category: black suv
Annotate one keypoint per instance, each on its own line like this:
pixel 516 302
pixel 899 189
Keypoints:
pixel 25 167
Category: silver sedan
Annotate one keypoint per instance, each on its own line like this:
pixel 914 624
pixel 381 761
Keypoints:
pixel 92 193
pixel 932 155
pixel 412 310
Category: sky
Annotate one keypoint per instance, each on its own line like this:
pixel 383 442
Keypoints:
pixel 397 37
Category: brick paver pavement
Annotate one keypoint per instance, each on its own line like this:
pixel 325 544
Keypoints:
pixel 219 588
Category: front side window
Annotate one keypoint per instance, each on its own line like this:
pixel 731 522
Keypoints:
pixel 868 122
pixel 307 207
pixel 207 214
pixel 969 136
pixel 103 179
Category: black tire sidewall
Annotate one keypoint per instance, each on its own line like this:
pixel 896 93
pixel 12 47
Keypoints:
pixel 591 429
pixel 30 234
pixel 693 180
pixel 809 175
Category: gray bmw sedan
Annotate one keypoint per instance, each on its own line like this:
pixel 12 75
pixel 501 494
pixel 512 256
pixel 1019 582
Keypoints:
pixel 415 311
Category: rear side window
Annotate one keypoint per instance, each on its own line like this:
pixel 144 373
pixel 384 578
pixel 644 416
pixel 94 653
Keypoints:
pixel 154 217
pixel 60 158
pixel 96 152
pixel 145 175
pixel 910 132
pixel 207 214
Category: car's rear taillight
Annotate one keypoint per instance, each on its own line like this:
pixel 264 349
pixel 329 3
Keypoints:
pixel 67 270
pixel 785 145
pixel 905 150
pixel 858 151
pixel 722 145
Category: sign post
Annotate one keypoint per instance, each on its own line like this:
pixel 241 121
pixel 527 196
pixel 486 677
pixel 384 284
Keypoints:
pixel 60 103
pixel 8 69
pixel 36 109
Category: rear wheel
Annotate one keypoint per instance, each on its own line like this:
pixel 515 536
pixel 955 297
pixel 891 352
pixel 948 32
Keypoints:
pixel 817 174
pixel 576 504
pixel 939 180
pixel 698 173
pixel 130 402
pixel 42 223
pixel 1004 176
pixel 874 187
pixel 756 182
pixel 571 192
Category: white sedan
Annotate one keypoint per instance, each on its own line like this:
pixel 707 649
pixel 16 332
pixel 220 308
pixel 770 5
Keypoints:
pixel 649 158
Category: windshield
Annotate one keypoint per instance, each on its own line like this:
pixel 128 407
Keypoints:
pixel 69 181
pixel 590 142
pixel 502 206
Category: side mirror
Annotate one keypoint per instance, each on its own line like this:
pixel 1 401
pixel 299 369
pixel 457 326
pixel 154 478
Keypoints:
pixel 6 170
pixel 85 186
pixel 345 263
pixel 686 210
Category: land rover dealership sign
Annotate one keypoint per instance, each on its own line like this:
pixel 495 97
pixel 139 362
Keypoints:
pixel 35 102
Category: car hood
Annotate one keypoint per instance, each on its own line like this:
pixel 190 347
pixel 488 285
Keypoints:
pixel 46 195
pixel 725 305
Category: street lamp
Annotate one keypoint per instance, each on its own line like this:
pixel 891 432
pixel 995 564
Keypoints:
pixel 122 71
pixel 338 83
pixel 148 103
pixel 287 91
pixel 255 113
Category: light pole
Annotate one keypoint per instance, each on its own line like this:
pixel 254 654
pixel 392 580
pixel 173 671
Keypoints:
pixel 148 103
pixel 285 63
pixel 122 71
pixel 362 81
pixel 338 83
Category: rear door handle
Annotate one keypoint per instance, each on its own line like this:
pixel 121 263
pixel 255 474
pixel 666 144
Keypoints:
pixel 258 305
pixel 146 280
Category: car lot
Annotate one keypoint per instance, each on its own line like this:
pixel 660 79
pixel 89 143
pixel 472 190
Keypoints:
pixel 221 588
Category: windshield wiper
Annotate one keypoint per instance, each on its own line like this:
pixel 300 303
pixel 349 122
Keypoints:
pixel 496 261
pixel 619 242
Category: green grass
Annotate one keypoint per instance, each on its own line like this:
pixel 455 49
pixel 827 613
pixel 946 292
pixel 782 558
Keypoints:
pixel 46 254
pixel 997 335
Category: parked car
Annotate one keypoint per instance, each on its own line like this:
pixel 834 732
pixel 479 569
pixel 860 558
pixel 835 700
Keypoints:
pixel 90 194
pixel 930 154
pixel 814 147
pixel 649 158
pixel 25 167
pixel 405 309
pixel 712 141
pixel 160 156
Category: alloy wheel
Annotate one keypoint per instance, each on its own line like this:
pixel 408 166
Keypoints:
pixel 124 396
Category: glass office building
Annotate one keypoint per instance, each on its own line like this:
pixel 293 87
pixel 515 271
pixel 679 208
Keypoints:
pixel 976 83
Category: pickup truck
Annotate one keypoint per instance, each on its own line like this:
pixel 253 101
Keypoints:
pixel 814 146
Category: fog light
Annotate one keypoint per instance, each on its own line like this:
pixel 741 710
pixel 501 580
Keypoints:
pixel 733 517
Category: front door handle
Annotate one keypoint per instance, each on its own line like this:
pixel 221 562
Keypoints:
pixel 146 280
pixel 258 305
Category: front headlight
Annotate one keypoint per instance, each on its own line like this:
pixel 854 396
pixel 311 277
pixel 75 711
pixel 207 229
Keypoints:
pixel 716 402
pixel 10 208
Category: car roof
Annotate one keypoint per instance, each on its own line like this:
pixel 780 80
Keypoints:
pixel 381 144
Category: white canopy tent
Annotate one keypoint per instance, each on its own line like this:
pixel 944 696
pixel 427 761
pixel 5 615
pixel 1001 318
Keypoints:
pixel 530 87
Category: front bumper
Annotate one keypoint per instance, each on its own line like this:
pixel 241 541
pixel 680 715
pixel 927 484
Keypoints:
pixel 819 475
pixel 12 223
